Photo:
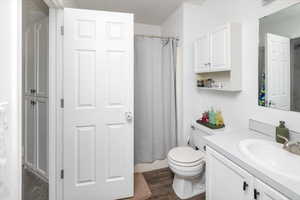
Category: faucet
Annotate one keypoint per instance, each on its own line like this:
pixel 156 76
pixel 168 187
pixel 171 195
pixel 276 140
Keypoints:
pixel 292 147
pixel 286 143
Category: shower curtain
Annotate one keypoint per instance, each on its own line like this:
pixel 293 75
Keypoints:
pixel 155 98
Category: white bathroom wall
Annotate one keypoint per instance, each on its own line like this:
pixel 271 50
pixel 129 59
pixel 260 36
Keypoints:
pixel 146 29
pixel 173 25
pixel 237 107
pixel 10 82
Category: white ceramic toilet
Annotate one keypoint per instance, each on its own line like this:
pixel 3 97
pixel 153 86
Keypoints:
pixel 188 167
pixel 188 164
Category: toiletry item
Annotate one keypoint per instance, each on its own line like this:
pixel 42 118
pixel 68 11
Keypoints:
pixel 281 130
pixel 205 117
pixel 219 119
pixel 212 117
pixel 200 83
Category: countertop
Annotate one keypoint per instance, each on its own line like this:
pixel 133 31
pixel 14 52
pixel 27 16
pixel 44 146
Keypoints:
pixel 227 145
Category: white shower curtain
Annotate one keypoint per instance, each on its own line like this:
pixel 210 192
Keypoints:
pixel 155 98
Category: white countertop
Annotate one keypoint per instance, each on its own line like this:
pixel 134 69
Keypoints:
pixel 227 145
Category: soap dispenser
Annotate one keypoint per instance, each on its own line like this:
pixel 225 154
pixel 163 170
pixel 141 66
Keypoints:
pixel 282 131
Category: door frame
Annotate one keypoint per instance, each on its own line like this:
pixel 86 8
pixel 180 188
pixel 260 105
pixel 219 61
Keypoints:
pixel 55 91
pixel 55 96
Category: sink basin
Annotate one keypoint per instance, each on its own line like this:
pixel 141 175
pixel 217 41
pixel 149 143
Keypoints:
pixel 272 157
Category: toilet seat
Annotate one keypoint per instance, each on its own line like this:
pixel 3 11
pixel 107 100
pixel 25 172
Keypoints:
pixel 185 157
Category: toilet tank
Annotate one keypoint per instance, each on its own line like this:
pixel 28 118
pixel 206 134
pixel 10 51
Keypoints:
pixel 198 132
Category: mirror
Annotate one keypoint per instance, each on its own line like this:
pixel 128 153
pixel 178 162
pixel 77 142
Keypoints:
pixel 279 60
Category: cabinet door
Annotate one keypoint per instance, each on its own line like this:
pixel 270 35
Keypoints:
pixel 29 61
pixel 219 44
pixel 202 54
pixel 30 138
pixel 42 45
pixel 42 135
pixel 265 192
pixel 226 180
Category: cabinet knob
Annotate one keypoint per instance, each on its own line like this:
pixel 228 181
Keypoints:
pixel 245 186
pixel 32 102
pixel 256 194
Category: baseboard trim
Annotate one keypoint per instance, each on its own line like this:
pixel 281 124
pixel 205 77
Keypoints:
pixel 145 167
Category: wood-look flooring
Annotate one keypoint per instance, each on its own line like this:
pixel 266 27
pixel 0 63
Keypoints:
pixel 34 188
pixel 160 183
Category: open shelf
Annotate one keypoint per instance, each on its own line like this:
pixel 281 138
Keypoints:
pixel 220 89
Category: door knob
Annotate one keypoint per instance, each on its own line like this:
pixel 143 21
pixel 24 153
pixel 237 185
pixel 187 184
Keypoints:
pixel 129 116
pixel 32 91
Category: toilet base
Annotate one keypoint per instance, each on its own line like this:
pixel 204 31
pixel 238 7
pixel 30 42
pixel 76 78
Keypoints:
pixel 186 188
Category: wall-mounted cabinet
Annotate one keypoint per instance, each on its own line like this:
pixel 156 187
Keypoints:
pixel 221 51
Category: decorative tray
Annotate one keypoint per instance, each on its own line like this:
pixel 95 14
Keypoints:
pixel 211 126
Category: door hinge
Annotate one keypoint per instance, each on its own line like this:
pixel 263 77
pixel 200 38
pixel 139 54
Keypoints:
pixel 62 174
pixel 62 30
pixel 62 103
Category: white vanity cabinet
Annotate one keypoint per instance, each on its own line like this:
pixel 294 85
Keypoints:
pixel 219 50
pixel 226 180
pixel 265 192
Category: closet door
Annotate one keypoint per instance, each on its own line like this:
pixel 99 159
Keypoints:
pixel 220 53
pixel 30 132
pixel 42 135
pixel 202 54
pixel 30 63
pixel 42 55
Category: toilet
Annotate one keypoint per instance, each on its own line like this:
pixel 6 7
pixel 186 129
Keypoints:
pixel 188 164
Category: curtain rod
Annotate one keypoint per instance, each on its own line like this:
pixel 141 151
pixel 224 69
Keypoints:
pixel 154 36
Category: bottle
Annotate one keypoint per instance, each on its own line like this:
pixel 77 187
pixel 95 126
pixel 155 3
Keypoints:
pixel 212 117
pixel 219 119
pixel 281 130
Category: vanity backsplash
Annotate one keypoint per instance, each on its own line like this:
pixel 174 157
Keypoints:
pixel 270 130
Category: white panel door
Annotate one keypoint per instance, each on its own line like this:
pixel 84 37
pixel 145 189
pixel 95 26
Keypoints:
pixel 41 107
pixel 219 49
pixel 42 48
pixel 202 54
pixel 278 75
pixel 219 172
pixel 30 61
pixel 98 92
pixel 265 192
pixel 30 132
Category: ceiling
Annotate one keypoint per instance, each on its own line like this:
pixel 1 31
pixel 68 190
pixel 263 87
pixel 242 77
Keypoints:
pixel 146 11
pixel 292 12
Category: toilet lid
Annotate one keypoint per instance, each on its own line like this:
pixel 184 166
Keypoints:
pixel 185 155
